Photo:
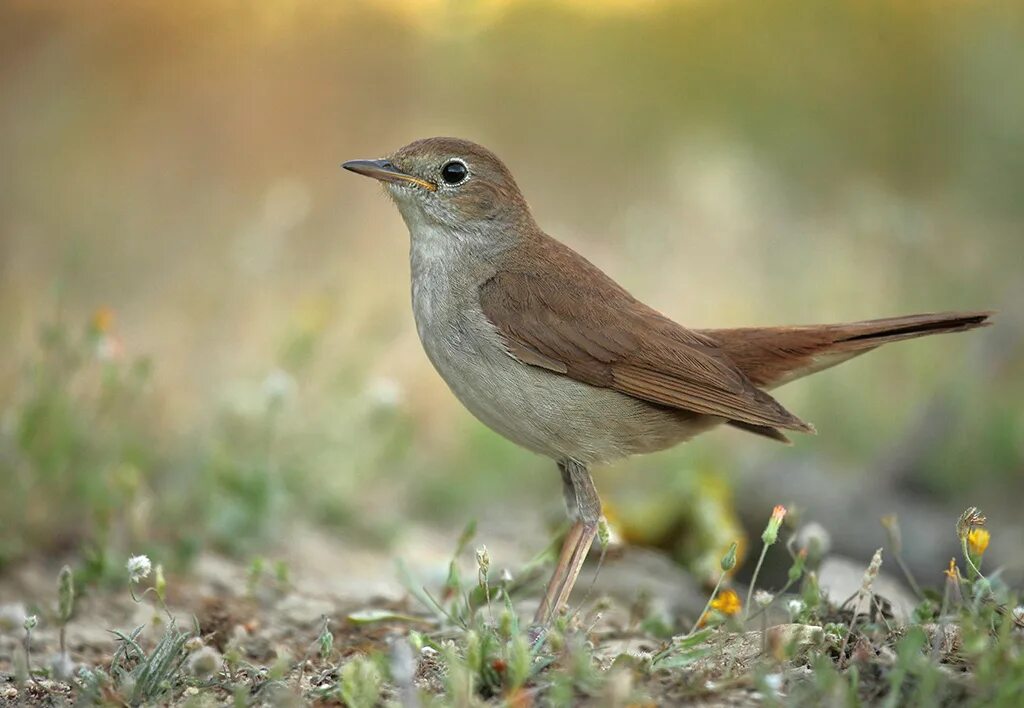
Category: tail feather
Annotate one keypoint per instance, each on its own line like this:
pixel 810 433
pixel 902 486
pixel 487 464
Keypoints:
pixel 772 356
pixel 894 329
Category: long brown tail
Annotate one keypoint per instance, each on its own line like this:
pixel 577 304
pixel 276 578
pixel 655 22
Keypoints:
pixel 772 356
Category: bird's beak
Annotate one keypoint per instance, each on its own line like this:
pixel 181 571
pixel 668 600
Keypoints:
pixel 384 171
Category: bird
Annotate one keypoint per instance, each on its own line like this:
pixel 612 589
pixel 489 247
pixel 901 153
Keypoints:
pixel 547 350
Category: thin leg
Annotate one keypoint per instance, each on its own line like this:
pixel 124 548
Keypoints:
pixel 579 492
pixel 569 492
pixel 547 605
pixel 579 555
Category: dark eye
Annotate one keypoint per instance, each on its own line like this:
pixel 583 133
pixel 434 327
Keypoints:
pixel 454 172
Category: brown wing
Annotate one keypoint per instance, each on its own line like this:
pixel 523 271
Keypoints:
pixel 590 329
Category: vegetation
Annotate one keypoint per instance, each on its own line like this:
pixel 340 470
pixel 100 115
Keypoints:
pixel 464 644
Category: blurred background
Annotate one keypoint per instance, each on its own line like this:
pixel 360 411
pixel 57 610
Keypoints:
pixel 206 323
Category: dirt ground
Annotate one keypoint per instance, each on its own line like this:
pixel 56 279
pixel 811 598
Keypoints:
pixel 271 621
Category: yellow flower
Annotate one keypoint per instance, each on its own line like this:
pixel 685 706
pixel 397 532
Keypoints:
pixel 727 602
pixel 103 319
pixel 977 541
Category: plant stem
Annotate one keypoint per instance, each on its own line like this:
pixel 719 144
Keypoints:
pixel 967 556
pixel 753 581
pixel 707 606
pixel 909 576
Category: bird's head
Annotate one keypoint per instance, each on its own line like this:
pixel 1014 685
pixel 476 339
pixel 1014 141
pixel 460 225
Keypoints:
pixel 451 183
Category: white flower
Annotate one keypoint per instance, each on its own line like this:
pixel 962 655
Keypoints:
pixel 138 567
pixel 204 662
pixel 278 387
pixel 763 598
pixel 384 392
pixel 773 682
pixel 815 539
pixel 795 606
pixel 12 617
pixel 109 348
pixel 62 667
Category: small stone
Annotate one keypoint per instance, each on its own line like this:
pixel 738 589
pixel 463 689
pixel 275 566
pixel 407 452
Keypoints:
pixel 841 578
pixel 302 610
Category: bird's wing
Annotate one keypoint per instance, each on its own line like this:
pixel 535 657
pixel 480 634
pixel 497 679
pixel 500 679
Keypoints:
pixel 590 329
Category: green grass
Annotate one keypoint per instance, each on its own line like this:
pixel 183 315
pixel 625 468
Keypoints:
pixel 464 645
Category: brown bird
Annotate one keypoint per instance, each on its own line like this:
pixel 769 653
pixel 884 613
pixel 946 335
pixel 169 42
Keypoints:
pixel 543 347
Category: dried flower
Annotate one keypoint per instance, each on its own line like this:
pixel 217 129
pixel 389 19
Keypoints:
pixel 483 565
pixel 952 572
pixel 727 602
pixel 771 531
pixel 977 541
pixel 968 520
pixel 139 568
pixel 763 598
pixel 872 572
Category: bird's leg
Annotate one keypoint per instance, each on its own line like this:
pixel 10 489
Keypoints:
pixel 584 507
pixel 571 538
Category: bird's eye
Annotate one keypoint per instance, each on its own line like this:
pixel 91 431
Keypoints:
pixel 454 172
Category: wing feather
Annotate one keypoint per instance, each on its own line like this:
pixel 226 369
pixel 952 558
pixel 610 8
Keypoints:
pixel 590 329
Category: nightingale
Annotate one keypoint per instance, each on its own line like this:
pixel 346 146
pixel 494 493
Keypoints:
pixel 547 350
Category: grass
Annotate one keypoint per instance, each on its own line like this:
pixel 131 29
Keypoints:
pixel 464 644
pixel 90 463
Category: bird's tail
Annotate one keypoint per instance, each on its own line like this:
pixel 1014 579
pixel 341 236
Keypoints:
pixel 772 356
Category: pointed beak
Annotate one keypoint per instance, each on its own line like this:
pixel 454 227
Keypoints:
pixel 384 171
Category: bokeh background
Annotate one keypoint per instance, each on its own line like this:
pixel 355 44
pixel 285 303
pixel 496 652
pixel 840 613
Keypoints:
pixel 206 330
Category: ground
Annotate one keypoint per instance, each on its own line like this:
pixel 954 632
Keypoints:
pixel 340 624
